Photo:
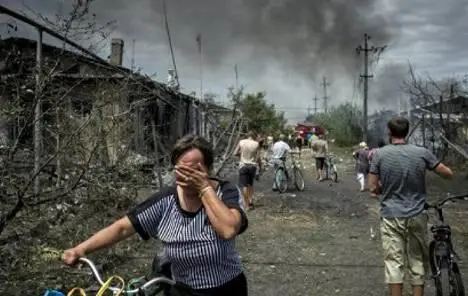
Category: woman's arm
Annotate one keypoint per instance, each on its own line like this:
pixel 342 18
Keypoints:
pixel 226 215
pixel 142 219
pixel 227 222
pixel 116 232
pixel 119 230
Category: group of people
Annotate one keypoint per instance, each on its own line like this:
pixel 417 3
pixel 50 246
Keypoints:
pixel 198 218
pixel 251 154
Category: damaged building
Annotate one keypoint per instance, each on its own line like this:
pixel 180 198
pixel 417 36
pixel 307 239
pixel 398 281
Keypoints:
pixel 154 115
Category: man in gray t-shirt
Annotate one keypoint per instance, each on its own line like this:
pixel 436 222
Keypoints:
pixel 398 174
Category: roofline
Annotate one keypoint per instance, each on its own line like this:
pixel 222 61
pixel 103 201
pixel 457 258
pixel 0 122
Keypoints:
pixel 126 72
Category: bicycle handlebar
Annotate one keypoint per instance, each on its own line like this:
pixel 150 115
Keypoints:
pixel 439 204
pixel 154 281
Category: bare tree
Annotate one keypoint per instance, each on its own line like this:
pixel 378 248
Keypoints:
pixel 107 133
pixel 439 114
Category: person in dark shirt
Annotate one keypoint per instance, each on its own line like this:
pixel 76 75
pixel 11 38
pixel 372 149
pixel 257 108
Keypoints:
pixel 362 164
pixel 197 221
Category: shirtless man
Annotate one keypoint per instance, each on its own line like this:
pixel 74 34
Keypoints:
pixel 249 151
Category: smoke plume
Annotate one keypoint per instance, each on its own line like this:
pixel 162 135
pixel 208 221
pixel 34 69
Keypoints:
pixel 301 36
pixel 387 89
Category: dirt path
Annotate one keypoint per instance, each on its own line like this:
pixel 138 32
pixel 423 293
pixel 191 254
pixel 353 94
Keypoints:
pixel 314 242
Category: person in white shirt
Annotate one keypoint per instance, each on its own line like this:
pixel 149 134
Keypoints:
pixel 249 151
pixel 279 151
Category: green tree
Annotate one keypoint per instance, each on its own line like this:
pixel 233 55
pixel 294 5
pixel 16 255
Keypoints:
pixel 260 116
pixel 343 123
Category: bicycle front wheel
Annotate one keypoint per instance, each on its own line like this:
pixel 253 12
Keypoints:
pixel 444 278
pixel 334 174
pixel 458 287
pixel 299 179
pixel 281 180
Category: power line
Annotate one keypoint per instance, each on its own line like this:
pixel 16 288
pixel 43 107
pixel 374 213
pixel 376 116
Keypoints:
pixel 366 49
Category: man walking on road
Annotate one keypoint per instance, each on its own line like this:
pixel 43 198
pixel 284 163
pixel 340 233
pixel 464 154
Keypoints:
pixel 279 151
pixel 319 151
pixel 249 151
pixel 401 168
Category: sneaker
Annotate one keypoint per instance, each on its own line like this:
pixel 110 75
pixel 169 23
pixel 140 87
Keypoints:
pixel 372 233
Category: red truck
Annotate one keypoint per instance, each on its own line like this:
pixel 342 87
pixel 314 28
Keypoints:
pixel 306 128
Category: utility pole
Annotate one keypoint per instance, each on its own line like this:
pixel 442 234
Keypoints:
pixel 315 104
pixel 200 56
pixel 133 55
pixel 325 84
pixel 38 116
pixel 399 105
pixel 236 73
pixel 366 49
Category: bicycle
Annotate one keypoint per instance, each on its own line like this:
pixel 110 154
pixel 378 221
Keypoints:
pixel 158 284
pixel 330 168
pixel 442 255
pixel 282 177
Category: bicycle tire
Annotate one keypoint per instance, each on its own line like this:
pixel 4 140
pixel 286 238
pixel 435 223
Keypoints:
pixel 458 285
pixel 281 185
pixel 335 177
pixel 299 179
pixel 444 277
pixel 433 259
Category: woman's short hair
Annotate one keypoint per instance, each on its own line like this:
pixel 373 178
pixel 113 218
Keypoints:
pixel 189 142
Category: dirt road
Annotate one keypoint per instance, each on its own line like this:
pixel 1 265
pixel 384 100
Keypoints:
pixel 317 242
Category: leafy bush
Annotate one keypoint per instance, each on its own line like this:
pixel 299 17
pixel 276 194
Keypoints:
pixel 343 123
pixel 259 115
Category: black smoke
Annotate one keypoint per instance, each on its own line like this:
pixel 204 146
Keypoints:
pixel 388 89
pixel 304 37
pixel 378 130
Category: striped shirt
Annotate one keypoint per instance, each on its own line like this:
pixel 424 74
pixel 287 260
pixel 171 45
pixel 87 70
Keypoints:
pixel 402 172
pixel 198 256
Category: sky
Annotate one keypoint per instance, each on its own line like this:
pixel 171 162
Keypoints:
pixel 282 47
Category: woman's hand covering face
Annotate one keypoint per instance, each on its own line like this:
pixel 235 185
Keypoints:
pixel 194 176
